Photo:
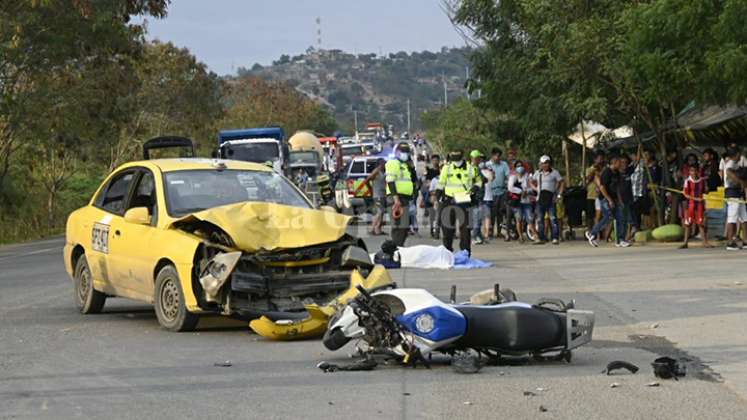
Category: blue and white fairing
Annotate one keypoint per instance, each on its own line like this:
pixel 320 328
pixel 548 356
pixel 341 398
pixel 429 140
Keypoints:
pixel 431 322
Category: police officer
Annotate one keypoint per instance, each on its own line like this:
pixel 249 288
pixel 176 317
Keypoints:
pixel 456 187
pixel 400 188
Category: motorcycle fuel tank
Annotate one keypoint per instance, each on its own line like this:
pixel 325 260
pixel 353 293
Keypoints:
pixel 432 322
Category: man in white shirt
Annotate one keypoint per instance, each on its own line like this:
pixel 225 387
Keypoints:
pixel 549 185
pixel 736 213
pixel 741 160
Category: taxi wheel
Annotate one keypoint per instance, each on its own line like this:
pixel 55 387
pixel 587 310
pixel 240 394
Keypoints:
pixel 171 311
pixel 87 299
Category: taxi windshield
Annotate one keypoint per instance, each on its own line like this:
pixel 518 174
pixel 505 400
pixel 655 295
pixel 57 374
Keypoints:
pixel 195 190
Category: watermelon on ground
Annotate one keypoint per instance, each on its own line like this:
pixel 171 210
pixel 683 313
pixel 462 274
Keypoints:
pixel 669 233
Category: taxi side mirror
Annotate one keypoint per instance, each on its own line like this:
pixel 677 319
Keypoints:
pixel 138 216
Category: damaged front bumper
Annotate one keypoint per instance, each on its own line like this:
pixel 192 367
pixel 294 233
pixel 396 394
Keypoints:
pixel 288 294
pixel 315 324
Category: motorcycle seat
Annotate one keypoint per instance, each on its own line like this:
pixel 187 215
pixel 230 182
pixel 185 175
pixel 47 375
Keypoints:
pixel 512 328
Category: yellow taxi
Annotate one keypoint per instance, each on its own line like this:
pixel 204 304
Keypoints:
pixel 196 236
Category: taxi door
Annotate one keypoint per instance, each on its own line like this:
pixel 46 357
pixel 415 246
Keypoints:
pixel 104 219
pixel 134 246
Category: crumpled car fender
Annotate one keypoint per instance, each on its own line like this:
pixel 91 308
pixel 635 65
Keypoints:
pixel 316 323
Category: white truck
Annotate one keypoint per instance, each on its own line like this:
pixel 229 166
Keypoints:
pixel 262 145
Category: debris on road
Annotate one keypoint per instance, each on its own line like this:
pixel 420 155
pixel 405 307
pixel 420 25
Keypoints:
pixel 668 368
pixel 529 394
pixel 467 403
pixel 652 384
pixel 655 325
pixel 620 364
pixel 227 363
pixel 615 385
pixel 466 363
pixel 542 409
pixel 361 365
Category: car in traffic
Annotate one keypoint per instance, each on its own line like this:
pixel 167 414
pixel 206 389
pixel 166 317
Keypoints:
pixel 206 236
pixel 352 150
pixel 351 190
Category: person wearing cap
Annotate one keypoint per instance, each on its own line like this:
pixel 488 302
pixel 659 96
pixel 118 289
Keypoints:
pixel 400 188
pixel 549 185
pixel 520 201
pixel 455 188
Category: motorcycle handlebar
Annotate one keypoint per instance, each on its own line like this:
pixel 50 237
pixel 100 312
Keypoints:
pixel 362 290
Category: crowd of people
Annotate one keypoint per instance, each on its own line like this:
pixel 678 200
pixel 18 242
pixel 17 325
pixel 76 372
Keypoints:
pixel 480 198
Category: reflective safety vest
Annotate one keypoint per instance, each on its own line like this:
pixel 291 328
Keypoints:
pixel 476 176
pixel 455 180
pixel 399 173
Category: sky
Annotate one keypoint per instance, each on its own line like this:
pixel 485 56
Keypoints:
pixel 228 34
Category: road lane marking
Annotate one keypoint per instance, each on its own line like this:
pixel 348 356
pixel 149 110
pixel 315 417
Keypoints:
pixel 26 254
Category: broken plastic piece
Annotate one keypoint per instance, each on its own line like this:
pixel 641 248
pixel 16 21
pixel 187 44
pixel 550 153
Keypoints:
pixel 216 273
pixel 315 324
pixel 620 364
pixel 354 256
pixel 364 364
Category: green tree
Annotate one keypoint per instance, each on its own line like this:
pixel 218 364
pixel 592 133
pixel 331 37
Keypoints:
pixel 174 94
pixel 42 37
pixel 253 102
pixel 461 126
pixel 727 61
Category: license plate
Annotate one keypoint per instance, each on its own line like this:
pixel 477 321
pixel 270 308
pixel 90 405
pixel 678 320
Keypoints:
pixel 100 238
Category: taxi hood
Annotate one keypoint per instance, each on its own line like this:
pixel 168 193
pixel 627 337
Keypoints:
pixel 256 226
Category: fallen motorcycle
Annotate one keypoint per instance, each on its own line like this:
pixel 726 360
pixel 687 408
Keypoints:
pixel 410 324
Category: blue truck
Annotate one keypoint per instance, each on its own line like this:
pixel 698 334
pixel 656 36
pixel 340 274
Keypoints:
pixel 266 145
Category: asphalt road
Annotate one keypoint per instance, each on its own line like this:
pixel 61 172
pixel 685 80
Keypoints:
pixel 649 301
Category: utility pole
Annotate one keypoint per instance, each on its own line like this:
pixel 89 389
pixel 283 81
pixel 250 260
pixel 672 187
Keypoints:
pixel 466 85
pixel 446 95
pixel 319 33
pixel 408 117
pixel 355 122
